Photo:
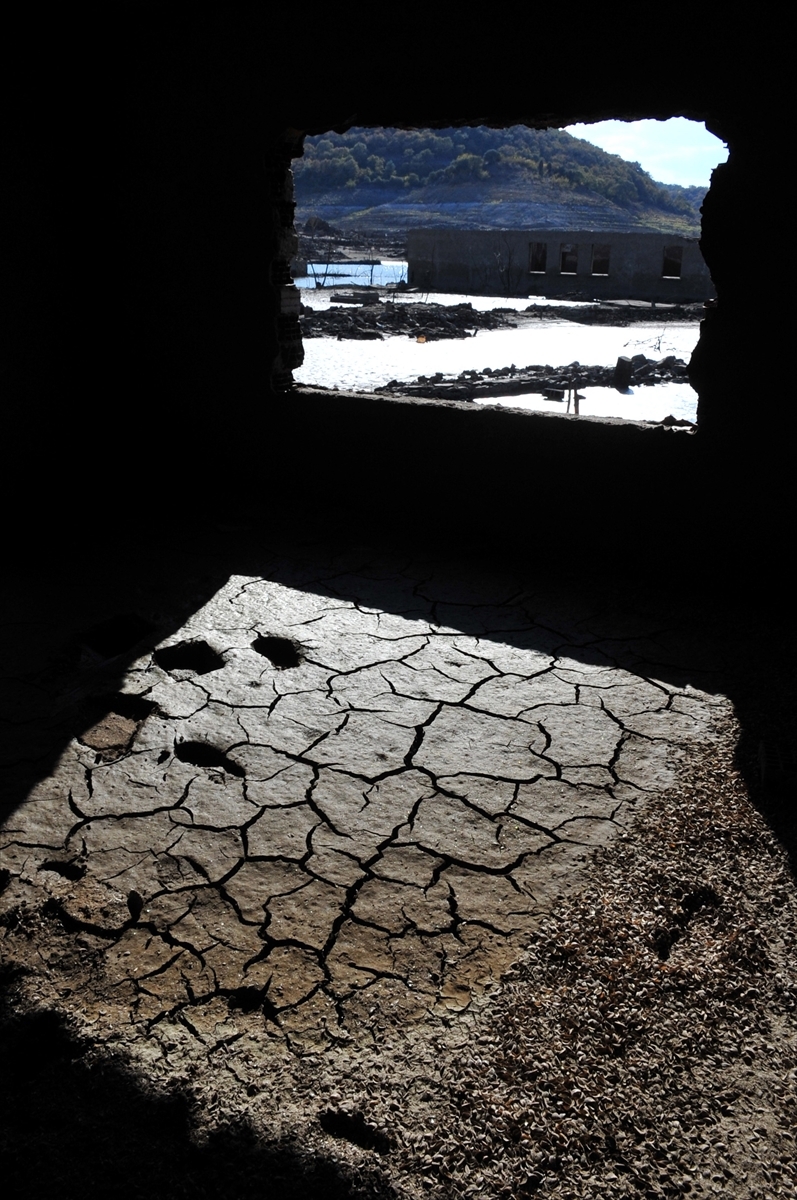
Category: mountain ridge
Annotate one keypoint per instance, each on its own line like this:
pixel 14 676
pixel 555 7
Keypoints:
pixel 392 180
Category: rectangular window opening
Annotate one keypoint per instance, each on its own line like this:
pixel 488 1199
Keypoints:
pixel 673 258
pixel 538 258
pixel 568 258
pixel 378 298
pixel 600 259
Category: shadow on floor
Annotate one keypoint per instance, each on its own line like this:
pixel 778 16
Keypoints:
pixel 73 1128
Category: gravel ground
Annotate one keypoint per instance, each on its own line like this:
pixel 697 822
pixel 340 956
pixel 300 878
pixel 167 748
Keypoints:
pixel 646 1044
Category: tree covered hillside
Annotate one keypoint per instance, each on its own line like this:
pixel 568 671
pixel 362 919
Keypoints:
pixel 384 175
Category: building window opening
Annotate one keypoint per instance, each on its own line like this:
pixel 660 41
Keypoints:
pixel 600 259
pixel 438 264
pixel 673 261
pixel 538 258
pixel 568 258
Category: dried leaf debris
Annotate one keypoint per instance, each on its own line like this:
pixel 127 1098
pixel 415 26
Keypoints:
pixel 646 1044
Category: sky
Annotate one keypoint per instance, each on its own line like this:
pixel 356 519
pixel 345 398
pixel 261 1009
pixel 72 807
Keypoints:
pixel 674 151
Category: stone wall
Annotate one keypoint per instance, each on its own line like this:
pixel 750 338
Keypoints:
pixel 498 263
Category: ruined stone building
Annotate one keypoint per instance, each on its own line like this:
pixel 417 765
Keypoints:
pixel 559 262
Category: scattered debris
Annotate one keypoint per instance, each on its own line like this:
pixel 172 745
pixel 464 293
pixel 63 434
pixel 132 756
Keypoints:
pixel 432 321
pixel 623 373
pixel 552 382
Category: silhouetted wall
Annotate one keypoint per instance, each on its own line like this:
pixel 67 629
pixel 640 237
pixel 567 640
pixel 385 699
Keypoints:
pixel 154 326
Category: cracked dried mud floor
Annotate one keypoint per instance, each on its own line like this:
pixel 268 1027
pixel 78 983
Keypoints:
pixel 331 807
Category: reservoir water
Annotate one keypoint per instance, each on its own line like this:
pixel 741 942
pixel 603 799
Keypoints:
pixel 365 365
